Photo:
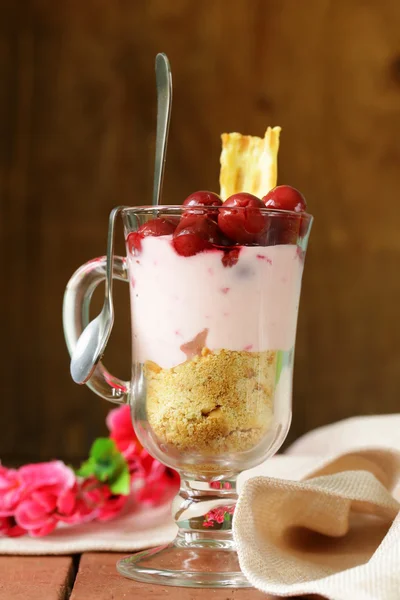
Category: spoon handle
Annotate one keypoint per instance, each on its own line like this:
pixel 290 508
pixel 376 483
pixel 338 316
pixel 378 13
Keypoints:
pixel 164 100
pixel 110 258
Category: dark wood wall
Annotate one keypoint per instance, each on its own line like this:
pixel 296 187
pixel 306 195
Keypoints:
pixel 77 122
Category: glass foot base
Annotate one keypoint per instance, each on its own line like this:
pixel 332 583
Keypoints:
pixel 203 563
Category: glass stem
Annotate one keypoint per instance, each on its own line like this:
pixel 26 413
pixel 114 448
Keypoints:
pixel 203 510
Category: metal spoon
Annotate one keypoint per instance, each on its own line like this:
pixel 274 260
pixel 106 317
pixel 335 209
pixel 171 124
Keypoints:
pixel 164 95
pixel 93 340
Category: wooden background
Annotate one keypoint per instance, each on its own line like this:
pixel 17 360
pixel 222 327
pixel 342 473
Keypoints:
pixel 77 123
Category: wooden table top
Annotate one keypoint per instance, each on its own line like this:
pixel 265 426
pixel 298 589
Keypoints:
pixel 92 576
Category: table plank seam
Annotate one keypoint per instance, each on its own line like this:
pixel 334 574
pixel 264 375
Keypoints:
pixel 71 577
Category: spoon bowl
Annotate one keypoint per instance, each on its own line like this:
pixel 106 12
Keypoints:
pixel 90 347
pixel 92 342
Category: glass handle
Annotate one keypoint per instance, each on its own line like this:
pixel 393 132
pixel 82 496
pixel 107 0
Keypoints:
pixel 77 297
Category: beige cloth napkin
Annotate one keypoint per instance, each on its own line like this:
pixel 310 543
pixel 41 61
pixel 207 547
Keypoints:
pixel 324 519
pixel 133 531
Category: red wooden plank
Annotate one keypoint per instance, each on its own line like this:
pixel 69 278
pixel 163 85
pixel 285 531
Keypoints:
pixel 35 577
pixel 97 579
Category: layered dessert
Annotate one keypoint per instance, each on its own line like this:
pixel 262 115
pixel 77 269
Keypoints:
pixel 214 296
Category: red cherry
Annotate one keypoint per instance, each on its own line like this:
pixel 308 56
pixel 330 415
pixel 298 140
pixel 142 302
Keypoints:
pixel 155 227
pixel 203 199
pixel 284 229
pixel 243 222
pixel 285 197
pixel 195 233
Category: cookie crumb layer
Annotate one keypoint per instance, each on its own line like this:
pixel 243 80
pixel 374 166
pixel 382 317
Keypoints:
pixel 218 402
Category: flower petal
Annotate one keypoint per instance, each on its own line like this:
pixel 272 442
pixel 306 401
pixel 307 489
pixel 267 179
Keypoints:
pixel 9 527
pixel 46 500
pixel 53 473
pixel 30 514
pixel 67 501
pixel 44 529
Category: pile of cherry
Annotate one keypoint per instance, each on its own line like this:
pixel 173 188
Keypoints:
pixel 210 223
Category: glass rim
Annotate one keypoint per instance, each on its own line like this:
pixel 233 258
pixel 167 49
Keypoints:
pixel 149 209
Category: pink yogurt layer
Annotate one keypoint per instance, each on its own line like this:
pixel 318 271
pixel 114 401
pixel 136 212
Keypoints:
pixel 250 306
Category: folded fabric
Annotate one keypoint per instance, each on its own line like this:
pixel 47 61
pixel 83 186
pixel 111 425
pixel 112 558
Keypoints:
pixel 324 518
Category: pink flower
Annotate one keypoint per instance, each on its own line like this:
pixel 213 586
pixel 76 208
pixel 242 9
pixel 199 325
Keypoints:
pixel 36 497
pixel 111 505
pixel 99 500
pixel 121 430
pixel 151 480
pixel 217 515
pixel 46 494
pixel 157 481
pixel 119 423
pixel 208 524
pixel 54 474
pixel 9 527
pixel 11 491
pixel 94 500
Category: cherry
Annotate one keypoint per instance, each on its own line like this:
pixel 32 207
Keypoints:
pixel 195 233
pixel 285 197
pixel 284 229
pixel 203 199
pixel 155 227
pixel 198 200
pixel 243 222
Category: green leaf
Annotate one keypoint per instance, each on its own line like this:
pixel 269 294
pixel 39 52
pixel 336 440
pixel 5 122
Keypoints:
pixel 106 464
pixel 121 485
pixel 103 448
pixel 109 460
pixel 227 523
pixel 86 469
